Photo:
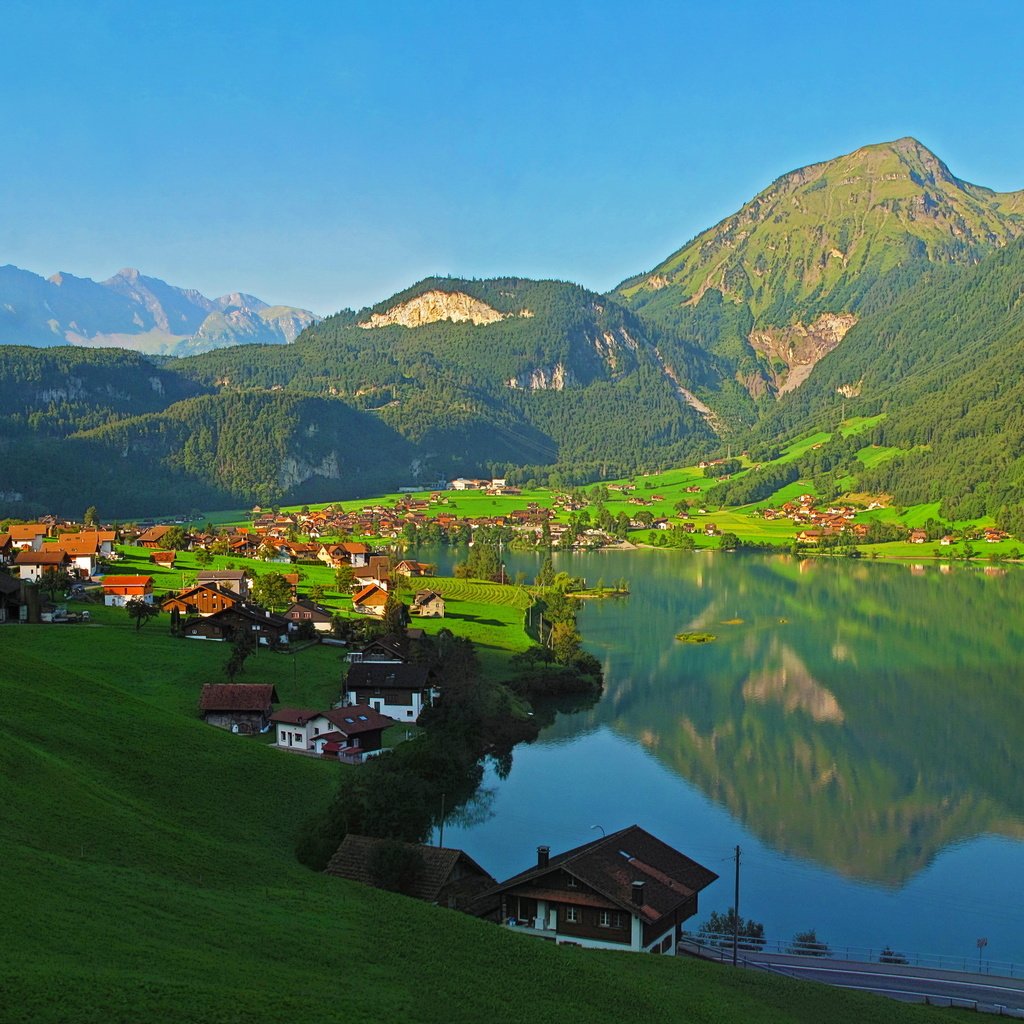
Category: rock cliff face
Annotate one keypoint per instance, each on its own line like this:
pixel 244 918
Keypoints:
pixel 432 306
pixel 792 352
pixel 554 379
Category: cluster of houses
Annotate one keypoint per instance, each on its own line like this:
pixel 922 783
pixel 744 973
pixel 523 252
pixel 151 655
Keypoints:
pixel 383 686
pixel 626 891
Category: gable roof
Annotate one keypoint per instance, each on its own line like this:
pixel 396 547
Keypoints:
pixel 356 719
pixel 294 716
pixel 237 697
pixel 369 595
pixel 611 864
pixel 126 581
pixel 44 557
pixel 78 543
pixel 27 531
pixel 386 677
pixel 220 574
pixel 353 858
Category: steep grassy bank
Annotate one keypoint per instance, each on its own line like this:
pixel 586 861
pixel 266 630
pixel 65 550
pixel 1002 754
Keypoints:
pixel 149 875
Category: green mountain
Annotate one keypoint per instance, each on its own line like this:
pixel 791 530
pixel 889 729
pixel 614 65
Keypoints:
pixel 449 377
pixel 875 282
pixel 772 289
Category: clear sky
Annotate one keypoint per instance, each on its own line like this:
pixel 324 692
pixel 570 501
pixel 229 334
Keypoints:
pixel 328 154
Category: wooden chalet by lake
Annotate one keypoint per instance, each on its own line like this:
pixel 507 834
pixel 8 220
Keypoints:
pixel 626 891
pixel 447 878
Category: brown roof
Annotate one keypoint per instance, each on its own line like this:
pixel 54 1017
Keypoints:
pixel 153 535
pixel 294 716
pixel 352 861
pixel 237 697
pixel 43 557
pixel 365 674
pixel 611 864
pixel 356 719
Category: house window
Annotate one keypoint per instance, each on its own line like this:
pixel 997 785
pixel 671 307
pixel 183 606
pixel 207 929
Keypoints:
pixel 408 713
pixel 571 882
pixel 316 732
pixel 572 915
pixel 604 919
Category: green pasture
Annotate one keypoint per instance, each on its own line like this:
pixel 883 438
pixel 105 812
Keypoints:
pixel 149 874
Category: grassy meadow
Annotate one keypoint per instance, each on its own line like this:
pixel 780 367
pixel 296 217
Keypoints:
pixel 149 873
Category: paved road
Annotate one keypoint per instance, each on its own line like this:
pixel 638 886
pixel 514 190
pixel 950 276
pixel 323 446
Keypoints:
pixel 898 981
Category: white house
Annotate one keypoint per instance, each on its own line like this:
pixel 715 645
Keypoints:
pixel 398 691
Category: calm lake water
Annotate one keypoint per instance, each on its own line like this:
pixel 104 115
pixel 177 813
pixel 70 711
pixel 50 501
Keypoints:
pixel 857 728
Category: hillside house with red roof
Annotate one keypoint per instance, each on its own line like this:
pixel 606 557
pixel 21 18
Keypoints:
pixel 119 590
pixel 348 734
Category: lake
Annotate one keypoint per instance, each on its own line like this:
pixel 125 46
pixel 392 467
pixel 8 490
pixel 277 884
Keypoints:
pixel 857 728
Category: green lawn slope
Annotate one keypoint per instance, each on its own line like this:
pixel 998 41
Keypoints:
pixel 148 874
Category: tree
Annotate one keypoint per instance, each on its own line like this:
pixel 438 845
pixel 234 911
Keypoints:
pixel 564 641
pixel 141 611
pixel 317 592
pixel 55 582
pixel 91 517
pixel 272 590
pixel 729 541
pixel 203 557
pixel 242 646
pixel 719 928
pixel 344 577
pixel 396 615
pixel 175 539
pixel 808 944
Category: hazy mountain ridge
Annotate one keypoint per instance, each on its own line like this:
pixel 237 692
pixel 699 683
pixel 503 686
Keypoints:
pixel 130 310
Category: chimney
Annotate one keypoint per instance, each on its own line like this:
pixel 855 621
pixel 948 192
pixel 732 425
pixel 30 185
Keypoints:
pixel 638 893
pixel 543 852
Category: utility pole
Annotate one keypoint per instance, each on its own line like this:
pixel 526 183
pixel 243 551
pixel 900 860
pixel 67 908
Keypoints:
pixel 736 910
pixel 440 830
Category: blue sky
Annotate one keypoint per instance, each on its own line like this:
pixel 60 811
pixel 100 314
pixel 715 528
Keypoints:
pixel 330 155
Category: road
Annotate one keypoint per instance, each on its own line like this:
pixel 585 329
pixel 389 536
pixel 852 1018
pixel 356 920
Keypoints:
pixel 898 981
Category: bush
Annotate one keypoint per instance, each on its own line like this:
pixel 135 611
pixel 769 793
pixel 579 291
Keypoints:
pixel 808 944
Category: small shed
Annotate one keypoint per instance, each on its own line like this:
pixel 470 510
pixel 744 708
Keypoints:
pixel 240 707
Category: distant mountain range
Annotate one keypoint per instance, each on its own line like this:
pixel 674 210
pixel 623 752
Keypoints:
pixel 136 312
pixel 874 283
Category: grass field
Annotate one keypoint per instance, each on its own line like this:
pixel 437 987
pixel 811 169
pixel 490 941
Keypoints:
pixel 149 874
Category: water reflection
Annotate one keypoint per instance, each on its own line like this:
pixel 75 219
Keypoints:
pixel 863 716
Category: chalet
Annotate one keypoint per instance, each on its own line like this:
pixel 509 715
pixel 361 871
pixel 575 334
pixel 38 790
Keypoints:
pixel 6 549
pixel 947 540
pixel 263 626
pixel 27 537
pixel 305 610
pixel 119 590
pixel 234 580
pixel 370 600
pixel 407 567
pixel 82 549
pixel 348 734
pixel 429 604
pixel 447 878
pixel 625 891
pixel 153 537
pixel 32 564
pixel 918 536
pixel 399 691
pixel 165 559
pixel 390 649
pixel 200 600
pixel 240 707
